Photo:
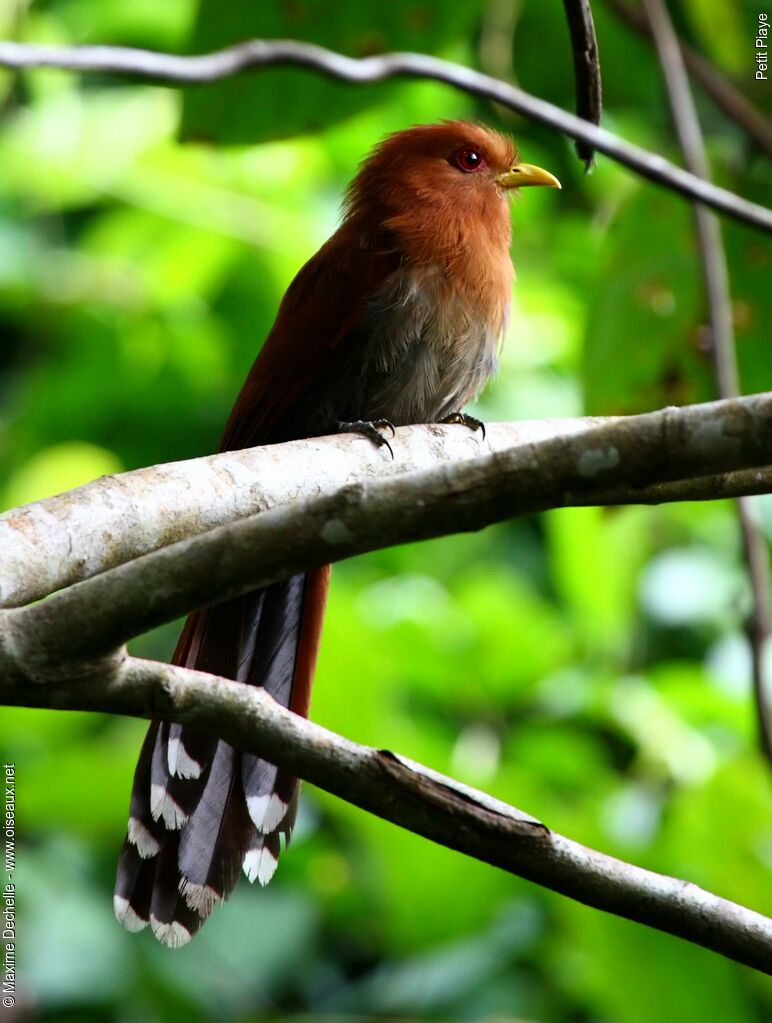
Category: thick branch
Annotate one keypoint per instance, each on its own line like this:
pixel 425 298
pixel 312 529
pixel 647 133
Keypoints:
pixel 53 543
pixel 413 797
pixel 61 540
pixel 95 617
pixel 254 53
pixel 716 275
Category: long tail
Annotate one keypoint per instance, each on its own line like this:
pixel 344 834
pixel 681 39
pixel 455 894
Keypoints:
pixel 201 811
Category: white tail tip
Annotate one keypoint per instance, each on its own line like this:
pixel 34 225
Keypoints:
pixel 267 812
pixel 179 761
pixel 125 915
pixel 173 934
pixel 260 865
pixel 141 839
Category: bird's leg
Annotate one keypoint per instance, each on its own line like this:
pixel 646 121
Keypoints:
pixel 369 428
pixel 463 419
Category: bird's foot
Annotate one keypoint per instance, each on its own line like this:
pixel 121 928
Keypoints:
pixel 463 419
pixel 370 428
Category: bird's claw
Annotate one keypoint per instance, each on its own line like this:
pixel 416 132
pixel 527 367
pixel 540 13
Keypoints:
pixel 369 428
pixel 463 419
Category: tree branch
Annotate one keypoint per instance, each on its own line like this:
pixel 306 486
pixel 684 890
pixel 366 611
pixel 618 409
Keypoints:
pixel 53 543
pixel 66 652
pixel 409 795
pixel 725 370
pixel 94 618
pixel 255 53
pixel 61 540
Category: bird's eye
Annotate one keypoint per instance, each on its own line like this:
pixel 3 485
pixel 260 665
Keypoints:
pixel 468 160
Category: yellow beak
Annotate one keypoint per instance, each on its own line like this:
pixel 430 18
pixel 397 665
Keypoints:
pixel 523 174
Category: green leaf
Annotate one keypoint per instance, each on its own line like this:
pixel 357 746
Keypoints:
pixel 596 555
pixel 721 33
pixel 645 346
pixel 279 103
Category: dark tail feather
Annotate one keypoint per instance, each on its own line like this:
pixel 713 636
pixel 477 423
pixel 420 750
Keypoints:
pixel 173 798
pixel 173 922
pixel 210 642
pixel 270 793
pixel 188 752
pixel 133 888
pixel 136 865
pixel 216 838
pixel 200 810
pixel 144 832
pixel 162 806
pixel 267 657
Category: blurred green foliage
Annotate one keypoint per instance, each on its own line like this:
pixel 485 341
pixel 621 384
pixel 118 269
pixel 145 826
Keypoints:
pixel 587 665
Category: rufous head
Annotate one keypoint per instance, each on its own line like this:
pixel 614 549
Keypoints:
pixel 453 163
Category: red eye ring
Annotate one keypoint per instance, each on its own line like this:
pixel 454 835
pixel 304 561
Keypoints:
pixel 468 159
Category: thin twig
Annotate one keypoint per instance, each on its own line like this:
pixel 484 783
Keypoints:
pixel 409 795
pixel 721 90
pixel 584 46
pixel 716 274
pixel 166 67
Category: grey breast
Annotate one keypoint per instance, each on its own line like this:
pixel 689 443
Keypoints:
pixel 419 353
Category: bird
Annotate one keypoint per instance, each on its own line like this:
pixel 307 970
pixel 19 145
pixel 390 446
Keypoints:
pixel 396 320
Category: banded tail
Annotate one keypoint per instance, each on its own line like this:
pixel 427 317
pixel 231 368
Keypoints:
pixel 201 811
